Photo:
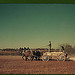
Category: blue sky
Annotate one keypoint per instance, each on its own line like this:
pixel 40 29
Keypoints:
pixel 34 25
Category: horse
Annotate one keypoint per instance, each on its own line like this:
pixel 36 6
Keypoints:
pixel 26 54
pixel 37 55
pixel 30 55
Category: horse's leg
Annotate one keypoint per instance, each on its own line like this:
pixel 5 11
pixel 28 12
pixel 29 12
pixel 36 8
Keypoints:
pixel 39 58
pixel 32 58
pixel 23 56
pixel 26 58
pixel 36 58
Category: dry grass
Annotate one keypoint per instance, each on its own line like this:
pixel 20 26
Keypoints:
pixel 15 65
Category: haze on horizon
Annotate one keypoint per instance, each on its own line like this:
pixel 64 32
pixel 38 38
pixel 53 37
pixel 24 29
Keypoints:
pixel 34 25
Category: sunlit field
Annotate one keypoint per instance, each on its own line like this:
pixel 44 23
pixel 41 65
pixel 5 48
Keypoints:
pixel 15 65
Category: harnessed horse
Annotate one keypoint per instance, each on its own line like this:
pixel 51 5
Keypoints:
pixel 30 55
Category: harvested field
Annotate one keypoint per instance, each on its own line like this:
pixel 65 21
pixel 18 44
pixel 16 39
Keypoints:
pixel 15 65
pixel 9 53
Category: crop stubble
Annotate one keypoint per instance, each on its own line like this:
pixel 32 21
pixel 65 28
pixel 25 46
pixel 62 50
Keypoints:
pixel 15 65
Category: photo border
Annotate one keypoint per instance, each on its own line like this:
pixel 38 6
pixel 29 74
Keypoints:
pixel 37 2
pixel 40 1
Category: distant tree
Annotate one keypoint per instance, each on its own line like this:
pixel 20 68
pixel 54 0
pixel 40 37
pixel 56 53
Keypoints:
pixel 20 48
pixel 24 48
pixel 74 47
pixel 20 51
pixel 28 48
pixel 68 48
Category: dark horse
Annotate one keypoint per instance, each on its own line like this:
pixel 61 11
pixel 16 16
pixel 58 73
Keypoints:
pixel 36 55
pixel 30 55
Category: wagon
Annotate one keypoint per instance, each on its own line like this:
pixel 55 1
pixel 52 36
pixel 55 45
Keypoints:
pixel 46 56
pixel 59 56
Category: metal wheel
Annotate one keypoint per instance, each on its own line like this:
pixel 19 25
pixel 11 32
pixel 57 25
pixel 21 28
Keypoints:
pixel 61 57
pixel 45 58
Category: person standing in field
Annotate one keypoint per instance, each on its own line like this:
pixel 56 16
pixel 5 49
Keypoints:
pixel 66 55
pixel 50 45
pixel 62 48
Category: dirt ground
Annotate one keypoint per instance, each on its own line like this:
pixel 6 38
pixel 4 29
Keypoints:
pixel 15 65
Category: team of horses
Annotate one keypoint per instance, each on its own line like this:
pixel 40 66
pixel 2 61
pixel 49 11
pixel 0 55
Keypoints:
pixel 31 55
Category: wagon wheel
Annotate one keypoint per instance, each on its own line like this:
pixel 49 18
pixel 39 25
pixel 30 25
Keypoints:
pixel 45 58
pixel 61 57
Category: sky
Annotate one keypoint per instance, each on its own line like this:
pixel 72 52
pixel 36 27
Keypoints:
pixel 34 25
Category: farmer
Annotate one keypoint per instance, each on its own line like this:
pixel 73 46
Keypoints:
pixel 50 45
pixel 62 48
pixel 66 55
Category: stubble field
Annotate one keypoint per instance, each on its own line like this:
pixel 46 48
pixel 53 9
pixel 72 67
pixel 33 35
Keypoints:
pixel 15 65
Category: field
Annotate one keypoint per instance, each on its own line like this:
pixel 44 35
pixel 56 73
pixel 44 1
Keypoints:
pixel 15 65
